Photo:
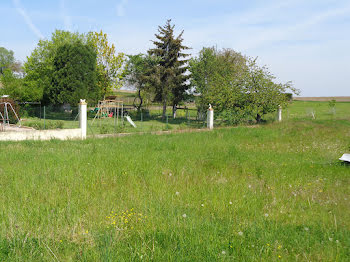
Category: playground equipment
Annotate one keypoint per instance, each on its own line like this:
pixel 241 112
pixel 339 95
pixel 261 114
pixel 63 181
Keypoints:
pixel 112 108
pixel 109 108
pixel 130 121
pixel 4 114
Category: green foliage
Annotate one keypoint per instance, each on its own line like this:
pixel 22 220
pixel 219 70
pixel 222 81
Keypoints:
pixel 139 71
pixel 11 83
pixel 15 86
pixel 110 67
pixel 235 85
pixel 44 124
pixel 39 67
pixel 217 76
pixel 169 79
pixel 74 74
pixel 263 94
pixel 289 96
pixel 6 59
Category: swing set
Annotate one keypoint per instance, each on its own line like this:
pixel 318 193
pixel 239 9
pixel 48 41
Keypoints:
pixel 7 109
pixel 109 108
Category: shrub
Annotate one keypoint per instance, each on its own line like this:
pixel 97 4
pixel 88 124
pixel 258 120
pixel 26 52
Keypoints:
pixel 49 124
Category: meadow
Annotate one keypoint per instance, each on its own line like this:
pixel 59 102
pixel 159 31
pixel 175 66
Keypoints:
pixel 272 192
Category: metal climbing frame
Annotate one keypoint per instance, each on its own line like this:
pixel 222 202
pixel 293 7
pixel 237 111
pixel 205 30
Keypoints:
pixel 4 116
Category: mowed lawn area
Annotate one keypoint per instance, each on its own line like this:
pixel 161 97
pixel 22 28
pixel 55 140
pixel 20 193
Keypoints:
pixel 273 192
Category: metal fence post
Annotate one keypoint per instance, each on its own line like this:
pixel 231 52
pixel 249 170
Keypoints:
pixel 141 120
pixel 44 116
pixel 115 118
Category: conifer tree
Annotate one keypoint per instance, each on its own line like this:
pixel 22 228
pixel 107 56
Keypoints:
pixel 171 70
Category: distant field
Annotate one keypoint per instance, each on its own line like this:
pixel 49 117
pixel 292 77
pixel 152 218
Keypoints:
pixel 324 99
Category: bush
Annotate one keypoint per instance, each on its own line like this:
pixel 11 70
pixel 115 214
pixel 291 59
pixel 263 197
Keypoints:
pixel 104 129
pixel 235 117
pixel 49 124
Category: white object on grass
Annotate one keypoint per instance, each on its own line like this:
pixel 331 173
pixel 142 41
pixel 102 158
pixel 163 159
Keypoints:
pixel 130 121
pixel 345 157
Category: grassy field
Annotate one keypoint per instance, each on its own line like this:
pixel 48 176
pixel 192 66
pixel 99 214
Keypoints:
pixel 274 192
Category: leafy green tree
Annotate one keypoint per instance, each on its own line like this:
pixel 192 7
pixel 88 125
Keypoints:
pixel 74 74
pixel 139 73
pixel 217 77
pixel 11 84
pixel 6 59
pixel 39 66
pixel 262 94
pixel 11 78
pixel 172 82
pixel 14 86
pixel 235 85
pixel 110 66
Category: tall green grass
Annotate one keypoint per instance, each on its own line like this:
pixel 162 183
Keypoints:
pixel 275 192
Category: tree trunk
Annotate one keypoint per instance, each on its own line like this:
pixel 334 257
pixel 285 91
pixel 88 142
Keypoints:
pixel 174 111
pixel 258 118
pixel 138 107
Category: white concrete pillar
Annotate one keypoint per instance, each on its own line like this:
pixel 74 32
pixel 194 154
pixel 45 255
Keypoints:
pixel 210 117
pixel 83 118
pixel 279 114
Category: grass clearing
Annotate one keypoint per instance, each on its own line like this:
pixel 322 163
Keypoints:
pixel 275 192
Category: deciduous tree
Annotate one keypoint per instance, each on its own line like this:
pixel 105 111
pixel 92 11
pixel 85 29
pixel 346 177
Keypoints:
pixel 74 74
pixel 236 86
pixel 6 59
pixel 39 66
pixel 262 94
pixel 217 77
pixel 110 66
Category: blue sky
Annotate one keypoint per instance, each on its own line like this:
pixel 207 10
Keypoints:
pixel 305 41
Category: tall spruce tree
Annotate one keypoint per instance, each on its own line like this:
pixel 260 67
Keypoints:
pixel 171 70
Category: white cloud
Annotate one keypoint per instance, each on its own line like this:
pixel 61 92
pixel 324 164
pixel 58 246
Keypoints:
pixel 27 19
pixel 121 7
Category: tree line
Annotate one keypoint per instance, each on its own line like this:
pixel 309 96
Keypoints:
pixel 70 66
